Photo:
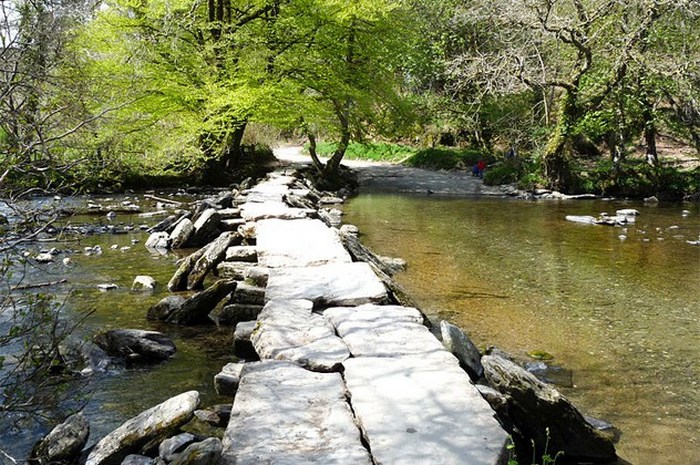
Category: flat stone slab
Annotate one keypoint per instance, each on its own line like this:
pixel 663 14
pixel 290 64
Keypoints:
pixel 423 410
pixel 288 330
pixel 340 284
pixel 254 211
pixel 382 330
pixel 298 243
pixel 284 414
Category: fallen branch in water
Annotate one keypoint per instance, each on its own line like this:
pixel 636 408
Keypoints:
pixel 34 286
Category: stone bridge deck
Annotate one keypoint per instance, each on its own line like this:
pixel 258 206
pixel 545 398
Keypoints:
pixel 345 377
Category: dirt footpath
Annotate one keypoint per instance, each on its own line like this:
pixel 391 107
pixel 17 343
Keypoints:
pixel 387 177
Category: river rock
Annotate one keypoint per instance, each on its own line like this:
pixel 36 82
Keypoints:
pixel 158 240
pixel 163 309
pixel 205 227
pixel 44 258
pixel 242 253
pixel 136 459
pixel 182 233
pixel 229 213
pixel 234 270
pixel 248 294
pixel 288 330
pixel 535 408
pixel 303 416
pixel 207 452
pixel 382 330
pixel 143 282
pixel 332 284
pixel 144 431
pixel 196 309
pixel 107 287
pixel 179 280
pixel 136 344
pixel 231 224
pixel 64 443
pixel 171 446
pixel 242 346
pixel 213 255
pixel 463 348
pixel 233 314
pixel 581 219
pixel 227 380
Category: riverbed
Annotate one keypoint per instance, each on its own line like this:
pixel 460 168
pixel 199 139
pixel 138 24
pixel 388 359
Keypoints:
pixel 619 307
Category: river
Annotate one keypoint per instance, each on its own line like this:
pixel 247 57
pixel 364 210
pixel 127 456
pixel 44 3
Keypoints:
pixel 622 313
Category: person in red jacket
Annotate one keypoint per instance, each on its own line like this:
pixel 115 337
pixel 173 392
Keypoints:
pixel 481 166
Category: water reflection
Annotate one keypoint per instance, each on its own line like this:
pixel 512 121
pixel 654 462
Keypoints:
pixel 623 314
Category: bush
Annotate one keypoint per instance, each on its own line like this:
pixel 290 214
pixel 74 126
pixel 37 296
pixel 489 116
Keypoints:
pixel 380 151
pixel 448 159
pixel 510 171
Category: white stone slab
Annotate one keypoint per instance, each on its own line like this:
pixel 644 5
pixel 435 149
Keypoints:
pixel 285 415
pixel 288 330
pixel 266 192
pixel 340 284
pixel 298 243
pixel 254 211
pixel 382 330
pixel 422 410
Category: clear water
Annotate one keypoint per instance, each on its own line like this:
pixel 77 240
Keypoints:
pixel 623 314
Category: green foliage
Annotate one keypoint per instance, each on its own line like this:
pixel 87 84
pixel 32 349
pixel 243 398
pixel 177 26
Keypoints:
pixel 508 171
pixel 379 151
pixel 447 158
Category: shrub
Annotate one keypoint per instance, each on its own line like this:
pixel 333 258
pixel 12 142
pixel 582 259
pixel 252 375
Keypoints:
pixel 448 159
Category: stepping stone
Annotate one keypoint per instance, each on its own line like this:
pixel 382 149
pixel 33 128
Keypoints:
pixel 288 330
pixel 298 243
pixel 254 211
pixel 382 330
pixel 423 411
pixel 284 414
pixel 338 284
pixel 267 192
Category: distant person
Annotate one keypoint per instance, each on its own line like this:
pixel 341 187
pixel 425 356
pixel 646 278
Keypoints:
pixel 475 170
pixel 481 166
pixel 511 153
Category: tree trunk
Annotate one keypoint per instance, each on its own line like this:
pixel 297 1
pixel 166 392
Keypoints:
pixel 557 160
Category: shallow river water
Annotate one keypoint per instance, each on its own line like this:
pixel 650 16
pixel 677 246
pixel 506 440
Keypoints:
pixel 623 313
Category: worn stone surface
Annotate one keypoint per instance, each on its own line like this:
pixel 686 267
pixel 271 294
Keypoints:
pixel 144 431
pixel 457 342
pixel 242 253
pixel 64 443
pixel 158 240
pixel 535 407
pixel 213 255
pixel 331 284
pixel 136 345
pixel 229 213
pixel 136 459
pixel 382 330
pixel 231 224
pixel 288 330
pixel 298 243
pixel 182 233
pixel 423 410
pixel 163 309
pixel 205 227
pixel 234 270
pixel 233 314
pixel 248 294
pixel 254 211
pixel 171 446
pixel 207 452
pixel 179 280
pixel 284 414
pixel 227 380
pixel 197 308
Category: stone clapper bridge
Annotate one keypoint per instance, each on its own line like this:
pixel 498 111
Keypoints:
pixel 344 377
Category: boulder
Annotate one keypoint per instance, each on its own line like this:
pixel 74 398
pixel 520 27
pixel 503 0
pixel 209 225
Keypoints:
pixel 242 345
pixel 136 344
pixel 463 348
pixel 136 459
pixel 158 240
pixel 234 270
pixel 182 233
pixel 248 294
pixel 205 227
pixel 171 446
pixel 44 258
pixel 233 314
pixel 197 308
pixel 163 309
pixel 537 409
pixel 216 416
pixel 143 282
pixel 227 380
pixel 229 213
pixel 207 452
pixel 242 253
pixel 64 443
pixel 231 224
pixel 213 255
pixel 144 431
pixel 179 280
